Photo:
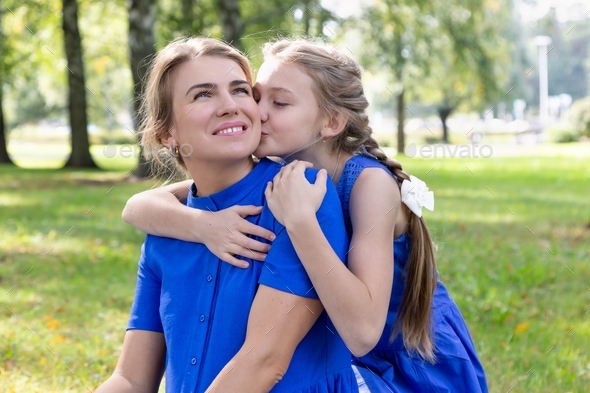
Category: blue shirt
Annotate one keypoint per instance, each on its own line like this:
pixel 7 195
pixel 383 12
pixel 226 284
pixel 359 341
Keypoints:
pixel 201 304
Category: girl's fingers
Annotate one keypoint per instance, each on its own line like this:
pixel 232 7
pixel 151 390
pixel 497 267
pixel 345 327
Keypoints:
pixel 303 165
pixel 321 179
pixel 268 190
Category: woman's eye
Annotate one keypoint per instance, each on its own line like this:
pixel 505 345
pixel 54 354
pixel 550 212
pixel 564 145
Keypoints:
pixel 243 90
pixel 201 94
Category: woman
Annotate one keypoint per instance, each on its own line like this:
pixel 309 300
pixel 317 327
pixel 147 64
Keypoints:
pixel 208 324
pixel 409 336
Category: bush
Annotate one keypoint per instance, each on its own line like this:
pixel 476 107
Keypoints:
pixel 579 115
pixel 562 133
pixel 120 137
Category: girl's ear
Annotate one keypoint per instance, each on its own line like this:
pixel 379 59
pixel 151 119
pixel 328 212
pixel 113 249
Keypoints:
pixel 335 125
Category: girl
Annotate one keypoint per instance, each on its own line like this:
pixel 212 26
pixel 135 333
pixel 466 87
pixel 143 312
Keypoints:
pixel 208 324
pixel 422 342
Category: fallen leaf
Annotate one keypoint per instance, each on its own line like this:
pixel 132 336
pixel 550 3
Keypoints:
pixel 521 327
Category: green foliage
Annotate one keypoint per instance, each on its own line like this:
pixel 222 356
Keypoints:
pixel 579 115
pixel 446 53
pixel 35 39
pixel 568 67
pixel 562 133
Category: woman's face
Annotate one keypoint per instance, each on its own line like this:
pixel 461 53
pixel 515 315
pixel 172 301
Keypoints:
pixel 215 115
pixel 288 110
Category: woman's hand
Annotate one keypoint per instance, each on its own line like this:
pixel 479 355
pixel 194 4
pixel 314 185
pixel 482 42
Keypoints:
pixel 291 197
pixel 228 232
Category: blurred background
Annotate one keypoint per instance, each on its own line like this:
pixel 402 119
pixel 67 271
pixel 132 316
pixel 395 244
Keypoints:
pixel 465 71
pixel 488 101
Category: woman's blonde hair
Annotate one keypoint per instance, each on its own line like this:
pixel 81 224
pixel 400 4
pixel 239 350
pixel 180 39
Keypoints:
pixel 156 107
pixel 339 91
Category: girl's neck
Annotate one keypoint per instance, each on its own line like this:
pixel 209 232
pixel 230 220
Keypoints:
pixel 211 177
pixel 331 160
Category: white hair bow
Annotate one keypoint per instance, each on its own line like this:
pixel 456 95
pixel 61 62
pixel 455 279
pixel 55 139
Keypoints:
pixel 415 195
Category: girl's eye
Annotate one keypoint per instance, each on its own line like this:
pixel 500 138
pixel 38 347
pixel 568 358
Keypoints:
pixel 280 104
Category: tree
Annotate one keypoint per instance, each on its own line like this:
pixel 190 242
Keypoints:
pixel 4 157
pixel 472 66
pixel 448 53
pixel 231 22
pixel 396 30
pixel 142 41
pixel 80 156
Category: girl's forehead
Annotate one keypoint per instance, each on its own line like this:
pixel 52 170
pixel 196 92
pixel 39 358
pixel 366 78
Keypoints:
pixel 274 71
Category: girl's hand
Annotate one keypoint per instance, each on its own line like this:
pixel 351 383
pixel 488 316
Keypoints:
pixel 291 197
pixel 228 235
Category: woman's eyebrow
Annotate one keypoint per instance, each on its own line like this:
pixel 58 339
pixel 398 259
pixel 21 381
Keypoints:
pixel 238 82
pixel 211 86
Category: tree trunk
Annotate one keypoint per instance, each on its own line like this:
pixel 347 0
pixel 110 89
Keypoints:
pixel 401 119
pixel 444 113
pixel 142 41
pixel 188 16
pixel 231 22
pixel 80 156
pixel 306 17
pixel 4 157
pixel 399 75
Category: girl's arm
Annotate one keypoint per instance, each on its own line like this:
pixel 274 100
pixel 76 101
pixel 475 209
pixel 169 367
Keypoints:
pixel 356 298
pixel 140 366
pixel 225 233
pixel 277 323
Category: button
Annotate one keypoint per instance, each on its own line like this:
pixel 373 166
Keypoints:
pixel 209 278
pixel 194 361
pixel 202 319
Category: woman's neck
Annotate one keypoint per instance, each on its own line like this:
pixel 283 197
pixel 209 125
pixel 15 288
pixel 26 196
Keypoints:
pixel 211 177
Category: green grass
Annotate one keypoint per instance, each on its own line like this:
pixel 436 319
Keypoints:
pixel 508 229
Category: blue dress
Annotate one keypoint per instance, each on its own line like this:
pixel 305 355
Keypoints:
pixel 201 304
pixel 389 367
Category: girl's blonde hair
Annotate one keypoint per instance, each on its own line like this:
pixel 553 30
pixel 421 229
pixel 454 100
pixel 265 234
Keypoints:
pixel 156 107
pixel 339 91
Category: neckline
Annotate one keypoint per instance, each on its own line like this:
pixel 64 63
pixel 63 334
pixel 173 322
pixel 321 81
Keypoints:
pixel 236 192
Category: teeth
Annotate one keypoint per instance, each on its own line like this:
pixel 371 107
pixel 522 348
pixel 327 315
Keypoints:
pixel 230 130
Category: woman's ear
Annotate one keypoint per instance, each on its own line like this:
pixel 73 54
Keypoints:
pixel 334 125
pixel 168 139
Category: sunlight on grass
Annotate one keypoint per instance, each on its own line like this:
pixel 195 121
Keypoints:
pixel 512 236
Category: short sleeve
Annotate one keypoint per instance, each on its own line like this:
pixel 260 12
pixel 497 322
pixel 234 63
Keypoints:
pixel 145 313
pixel 283 269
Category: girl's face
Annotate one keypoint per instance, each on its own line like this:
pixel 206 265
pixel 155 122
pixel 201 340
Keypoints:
pixel 215 115
pixel 288 110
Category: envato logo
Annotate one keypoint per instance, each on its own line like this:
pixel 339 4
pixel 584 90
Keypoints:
pixel 452 151
pixel 132 151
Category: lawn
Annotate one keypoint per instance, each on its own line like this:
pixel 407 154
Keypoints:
pixel 513 237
